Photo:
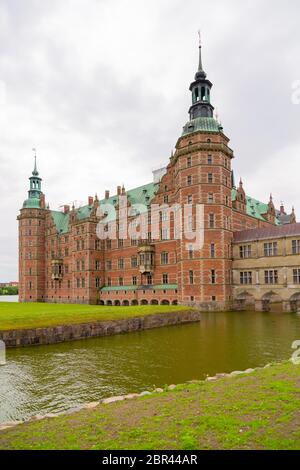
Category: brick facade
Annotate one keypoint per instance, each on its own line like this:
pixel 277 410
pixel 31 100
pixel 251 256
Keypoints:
pixel 61 258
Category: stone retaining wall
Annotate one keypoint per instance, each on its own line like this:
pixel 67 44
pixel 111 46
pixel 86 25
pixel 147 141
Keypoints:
pixel 60 334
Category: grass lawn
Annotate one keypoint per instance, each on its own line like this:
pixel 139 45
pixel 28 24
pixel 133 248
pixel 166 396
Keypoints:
pixel 15 316
pixel 256 411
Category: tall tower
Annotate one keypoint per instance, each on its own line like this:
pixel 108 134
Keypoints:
pixel 32 242
pixel 203 177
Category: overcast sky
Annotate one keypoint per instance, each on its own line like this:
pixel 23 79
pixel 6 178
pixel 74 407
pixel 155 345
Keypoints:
pixel 101 88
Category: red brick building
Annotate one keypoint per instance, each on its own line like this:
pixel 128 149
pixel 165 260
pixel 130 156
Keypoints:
pixel 62 258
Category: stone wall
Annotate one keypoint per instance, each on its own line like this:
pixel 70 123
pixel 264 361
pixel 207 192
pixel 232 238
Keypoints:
pixel 60 334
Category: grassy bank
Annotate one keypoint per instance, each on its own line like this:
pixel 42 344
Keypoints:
pixel 256 411
pixel 14 316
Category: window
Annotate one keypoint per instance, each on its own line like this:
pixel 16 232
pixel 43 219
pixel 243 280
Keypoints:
pixel 78 283
pixel 97 265
pixel 191 252
pixel 97 244
pixel 271 277
pixel 212 250
pixel 82 282
pixel 78 265
pixel 164 258
pixel 108 244
pixel 210 178
pixel 213 276
pixel 149 279
pixel 108 264
pixel 209 159
pixel 98 282
pixel 246 277
pixel 69 284
pixel 296 247
pixel 190 199
pixel 121 281
pixel 165 234
pixel 109 281
pixel 120 243
pixel 134 262
pixel 211 220
pixel 134 280
pixel 82 265
pixel 189 180
pixel 191 277
pixel 296 276
pixel 189 162
pixel 245 251
pixel 165 278
pixel 210 198
pixel 270 249
pixel 82 244
pixel 121 263
pixel 166 199
pixel 133 242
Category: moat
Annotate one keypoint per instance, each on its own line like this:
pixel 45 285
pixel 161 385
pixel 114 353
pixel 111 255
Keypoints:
pixel 51 379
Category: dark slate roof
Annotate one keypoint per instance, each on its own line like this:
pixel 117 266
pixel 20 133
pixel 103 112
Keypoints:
pixel 284 218
pixel 279 231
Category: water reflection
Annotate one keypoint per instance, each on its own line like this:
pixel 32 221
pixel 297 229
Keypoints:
pixel 59 377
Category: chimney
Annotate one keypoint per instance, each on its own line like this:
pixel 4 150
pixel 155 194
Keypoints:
pixel 106 194
pixel 42 201
pixel 66 209
pixel 91 200
pixel 282 211
pixel 119 190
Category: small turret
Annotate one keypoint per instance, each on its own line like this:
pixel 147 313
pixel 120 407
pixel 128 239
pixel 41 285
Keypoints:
pixel 35 191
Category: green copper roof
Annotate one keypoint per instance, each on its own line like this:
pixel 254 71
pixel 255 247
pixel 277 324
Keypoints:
pixel 202 124
pixel 131 288
pixel 255 208
pixel 61 221
pixel 32 203
pixel 142 195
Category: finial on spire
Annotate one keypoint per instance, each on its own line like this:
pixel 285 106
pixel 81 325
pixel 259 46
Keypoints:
pixel 35 171
pixel 200 68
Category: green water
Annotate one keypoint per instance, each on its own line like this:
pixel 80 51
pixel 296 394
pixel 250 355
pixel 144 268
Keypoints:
pixel 51 379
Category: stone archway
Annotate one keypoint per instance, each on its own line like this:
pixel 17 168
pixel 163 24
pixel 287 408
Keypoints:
pixel 269 301
pixel 175 302
pixel 294 302
pixel 144 302
pixel 165 302
pixel 243 301
pixel 125 303
pixel 134 302
pixel 154 302
pixel 117 303
pixel 109 303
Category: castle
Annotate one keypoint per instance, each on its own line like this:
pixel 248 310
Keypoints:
pixel 62 257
